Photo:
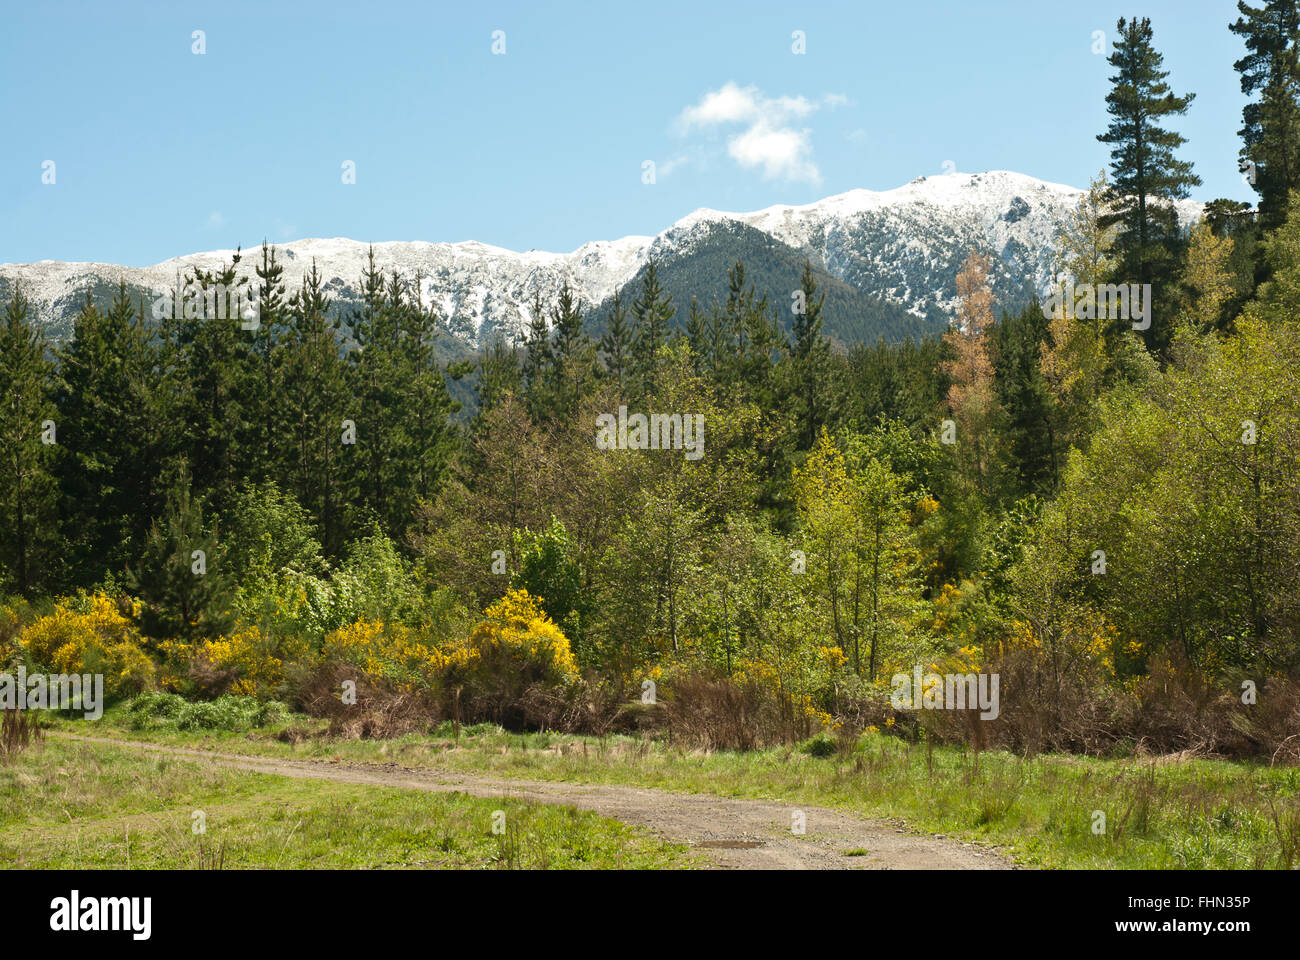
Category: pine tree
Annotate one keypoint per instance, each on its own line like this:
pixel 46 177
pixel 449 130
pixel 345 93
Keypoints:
pixel 111 438
pixel 764 343
pixel 617 344
pixel 317 402
pixel 1147 176
pixel 537 357
pixel 571 354
pixel 181 579
pixel 424 410
pixel 729 332
pixel 28 491
pixel 266 368
pixel 719 340
pixel 810 353
pixel 1226 216
pixel 652 311
pixel 1270 130
pixel 374 374
pixel 500 375
pixel 1029 429
pixel 218 363
pixel 697 335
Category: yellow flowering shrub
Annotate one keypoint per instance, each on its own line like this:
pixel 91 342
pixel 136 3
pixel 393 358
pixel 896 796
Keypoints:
pixel 819 717
pixel 833 657
pixel 758 671
pixel 1083 633
pixel 10 625
pixel 515 648
pixel 249 655
pixel 517 638
pixel 1024 636
pixel 397 654
pixel 946 607
pixel 966 659
pixel 91 634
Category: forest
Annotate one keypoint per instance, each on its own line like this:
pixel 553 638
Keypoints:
pixel 1103 514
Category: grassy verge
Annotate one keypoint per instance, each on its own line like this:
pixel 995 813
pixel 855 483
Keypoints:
pixel 65 804
pixel 1195 814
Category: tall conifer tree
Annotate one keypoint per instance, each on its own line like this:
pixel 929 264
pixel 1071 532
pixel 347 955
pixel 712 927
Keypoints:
pixel 28 492
pixel 1270 130
pixel 317 403
pixel 810 353
pixel 109 435
pixel 617 343
pixel 1147 177
pixel 652 311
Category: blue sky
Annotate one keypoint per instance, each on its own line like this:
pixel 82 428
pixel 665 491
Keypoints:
pixel 160 152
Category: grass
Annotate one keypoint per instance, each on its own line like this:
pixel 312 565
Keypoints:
pixel 1193 814
pixel 83 806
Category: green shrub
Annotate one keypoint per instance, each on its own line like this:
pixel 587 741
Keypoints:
pixel 376 582
pixel 549 572
pixel 266 530
pixel 167 711
pixel 822 745
pixel 150 709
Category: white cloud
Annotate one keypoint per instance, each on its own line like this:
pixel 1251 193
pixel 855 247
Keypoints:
pixel 784 154
pixel 731 104
pixel 770 141
pixel 215 219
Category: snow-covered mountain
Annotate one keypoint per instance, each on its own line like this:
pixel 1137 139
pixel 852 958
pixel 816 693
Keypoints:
pixel 901 246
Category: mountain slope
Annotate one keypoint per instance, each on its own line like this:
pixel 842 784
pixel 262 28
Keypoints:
pixel 893 253
pixel 697 265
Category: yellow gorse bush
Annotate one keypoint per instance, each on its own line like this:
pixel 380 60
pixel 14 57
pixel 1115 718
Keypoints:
pixel 947 607
pixel 1086 633
pixel 248 653
pixel 91 635
pixel 757 670
pixel 392 652
pixel 10 625
pixel 516 629
pixel 819 717
pixel 833 657
pixel 513 647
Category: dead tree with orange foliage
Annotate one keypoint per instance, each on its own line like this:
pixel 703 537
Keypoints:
pixel 971 398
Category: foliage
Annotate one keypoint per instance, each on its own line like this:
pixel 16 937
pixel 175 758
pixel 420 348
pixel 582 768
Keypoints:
pixel 91 634
pixel 517 644
pixel 376 582
pixel 397 655
pixel 549 571
pixel 1189 490
pixel 264 531
pixel 1114 524
pixel 167 711
pixel 185 587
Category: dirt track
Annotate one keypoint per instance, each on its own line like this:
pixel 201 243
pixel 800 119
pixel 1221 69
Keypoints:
pixel 733 833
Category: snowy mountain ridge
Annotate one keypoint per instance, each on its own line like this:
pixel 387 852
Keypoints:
pixel 903 245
